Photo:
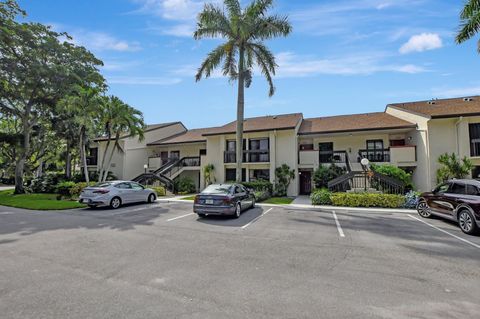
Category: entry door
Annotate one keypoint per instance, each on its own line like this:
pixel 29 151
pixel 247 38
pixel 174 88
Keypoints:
pixel 326 152
pixel 164 157
pixel 305 183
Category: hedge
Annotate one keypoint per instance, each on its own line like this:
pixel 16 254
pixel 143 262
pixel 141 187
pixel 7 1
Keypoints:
pixel 259 186
pixel 160 190
pixel 321 197
pixel 367 200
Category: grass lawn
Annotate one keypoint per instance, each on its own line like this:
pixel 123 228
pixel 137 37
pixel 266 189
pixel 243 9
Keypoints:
pixel 36 201
pixel 188 197
pixel 278 200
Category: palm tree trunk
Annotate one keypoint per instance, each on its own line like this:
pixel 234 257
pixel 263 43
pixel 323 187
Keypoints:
pixel 83 155
pixel 117 138
pixel 240 113
pixel 103 169
pixel 68 161
pixel 20 167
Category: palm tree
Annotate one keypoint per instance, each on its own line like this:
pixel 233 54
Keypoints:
pixel 453 167
pixel 121 119
pixel 245 31
pixel 470 22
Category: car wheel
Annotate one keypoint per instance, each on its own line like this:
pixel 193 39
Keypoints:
pixel 253 202
pixel 466 222
pixel 238 210
pixel 115 203
pixel 423 210
pixel 151 198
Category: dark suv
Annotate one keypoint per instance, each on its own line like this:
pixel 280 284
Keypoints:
pixel 458 200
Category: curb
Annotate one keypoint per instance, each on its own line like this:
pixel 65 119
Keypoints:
pixel 312 207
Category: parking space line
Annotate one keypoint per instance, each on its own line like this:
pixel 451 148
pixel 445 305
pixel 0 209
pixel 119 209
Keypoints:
pixel 175 218
pixel 446 232
pixel 339 228
pixel 254 220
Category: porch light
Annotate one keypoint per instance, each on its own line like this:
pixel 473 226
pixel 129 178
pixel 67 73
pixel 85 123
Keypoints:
pixel 145 166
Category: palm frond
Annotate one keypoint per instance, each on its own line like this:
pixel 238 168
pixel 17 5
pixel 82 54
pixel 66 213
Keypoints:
pixel 265 71
pixel 212 23
pixel 262 52
pixel 233 7
pixel 257 9
pixel 271 27
pixel 468 29
pixel 213 59
pixel 230 64
pixel 472 7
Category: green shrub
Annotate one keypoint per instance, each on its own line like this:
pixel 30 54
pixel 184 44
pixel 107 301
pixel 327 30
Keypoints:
pixel 260 196
pixel 367 200
pixel 185 185
pixel 45 183
pixel 325 173
pixel 259 185
pixel 160 190
pixel 284 176
pixel 395 172
pixel 63 188
pixel 321 197
pixel 76 189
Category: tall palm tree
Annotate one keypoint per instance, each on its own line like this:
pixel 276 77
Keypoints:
pixel 470 22
pixel 244 31
pixel 121 120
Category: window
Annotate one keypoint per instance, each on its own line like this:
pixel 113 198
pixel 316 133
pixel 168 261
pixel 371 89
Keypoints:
pixel 443 188
pixel 259 150
pixel 375 151
pixel 325 152
pixel 230 174
pixel 230 151
pixel 457 188
pixel 397 142
pixel 217 189
pixel 136 186
pixel 472 190
pixel 474 130
pixel 259 174
pixel 175 154
pixel 203 152
pixel 124 186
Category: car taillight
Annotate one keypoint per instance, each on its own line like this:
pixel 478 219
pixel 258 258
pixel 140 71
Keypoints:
pixel 101 191
pixel 227 201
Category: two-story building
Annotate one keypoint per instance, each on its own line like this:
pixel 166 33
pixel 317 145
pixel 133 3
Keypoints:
pixel 408 135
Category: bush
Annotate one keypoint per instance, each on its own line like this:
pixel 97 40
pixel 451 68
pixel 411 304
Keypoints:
pixel 93 175
pixel 395 172
pixel 160 190
pixel 325 173
pixel 284 176
pixel 185 185
pixel 63 188
pixel 411 199
pixel 367 200
pixel 46 183
pixel 321 197
pixel 260 196
pixel 260 186
pixel 77 188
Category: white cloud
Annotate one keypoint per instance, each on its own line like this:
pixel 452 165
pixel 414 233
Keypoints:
pixel 179 30
pixel 422 42
pixel 291 65
pixel 172 9
pixel 132 80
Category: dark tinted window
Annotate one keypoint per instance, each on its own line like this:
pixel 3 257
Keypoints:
pixel 442 188
pixel 457 188
pixel 103 184
pixel 136 186
pixel 124 186
pixel 217 189
pixel 472 190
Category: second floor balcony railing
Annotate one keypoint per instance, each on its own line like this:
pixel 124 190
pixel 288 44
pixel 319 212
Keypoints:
pixel 375 155
pixel 253 156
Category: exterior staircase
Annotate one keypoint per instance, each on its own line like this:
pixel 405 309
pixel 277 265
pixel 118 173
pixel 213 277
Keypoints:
pixel 167 173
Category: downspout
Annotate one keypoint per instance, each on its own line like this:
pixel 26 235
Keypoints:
pixel 460 119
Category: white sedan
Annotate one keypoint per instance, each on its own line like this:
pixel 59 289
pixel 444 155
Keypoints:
pixel 116 193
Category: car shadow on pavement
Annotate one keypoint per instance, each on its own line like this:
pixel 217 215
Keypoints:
pixel 24 223
pixel 230 221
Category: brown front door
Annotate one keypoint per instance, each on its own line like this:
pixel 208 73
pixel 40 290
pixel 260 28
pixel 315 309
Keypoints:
pixel 305 182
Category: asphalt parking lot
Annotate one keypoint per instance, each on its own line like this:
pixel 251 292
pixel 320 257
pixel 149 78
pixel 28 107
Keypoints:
pixel 162 261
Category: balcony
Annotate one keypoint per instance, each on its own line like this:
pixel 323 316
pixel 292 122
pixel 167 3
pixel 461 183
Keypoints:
pixel 256 156
pixel 375 155
pixel 403 156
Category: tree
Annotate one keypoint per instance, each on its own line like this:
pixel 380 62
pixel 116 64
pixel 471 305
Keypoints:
pixel 37 69
pixel 120 119
pixel 209 174
pixel 245 31
pixel 284 176
pixel 469 22
pixel 453 167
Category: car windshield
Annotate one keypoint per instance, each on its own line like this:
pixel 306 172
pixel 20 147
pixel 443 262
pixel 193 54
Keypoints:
pixel 217 189
pixel 103 184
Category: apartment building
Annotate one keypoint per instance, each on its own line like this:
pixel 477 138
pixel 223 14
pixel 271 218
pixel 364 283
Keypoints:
pixel 409 135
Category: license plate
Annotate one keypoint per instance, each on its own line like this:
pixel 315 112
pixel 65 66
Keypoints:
pixel 209 201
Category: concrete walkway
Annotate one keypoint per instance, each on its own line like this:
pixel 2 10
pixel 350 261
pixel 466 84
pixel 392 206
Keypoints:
pixel 4 188
pixel 302 200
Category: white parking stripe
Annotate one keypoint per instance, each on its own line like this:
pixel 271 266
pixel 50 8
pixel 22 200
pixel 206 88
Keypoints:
pixel 254 220
pixel 339 228
pixel 446 232
pixel 175 218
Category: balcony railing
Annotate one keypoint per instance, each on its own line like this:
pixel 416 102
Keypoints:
pixel 328 157
pixel 254 156
pixel 375 156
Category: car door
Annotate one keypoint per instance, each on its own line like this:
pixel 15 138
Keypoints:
pixel 247 198
pixel 436 201
pixel 240 196
pixel 125 192
pixel 138 192
pixel 454 197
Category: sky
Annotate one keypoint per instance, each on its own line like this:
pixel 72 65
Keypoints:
pixel 343 56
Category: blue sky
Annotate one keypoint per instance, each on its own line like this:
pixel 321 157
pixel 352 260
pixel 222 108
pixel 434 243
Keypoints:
pixel 344 56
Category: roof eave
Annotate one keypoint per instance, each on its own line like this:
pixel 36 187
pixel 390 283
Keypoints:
pixel 359 130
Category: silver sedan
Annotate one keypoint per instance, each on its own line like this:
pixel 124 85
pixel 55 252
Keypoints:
pixel 116 193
